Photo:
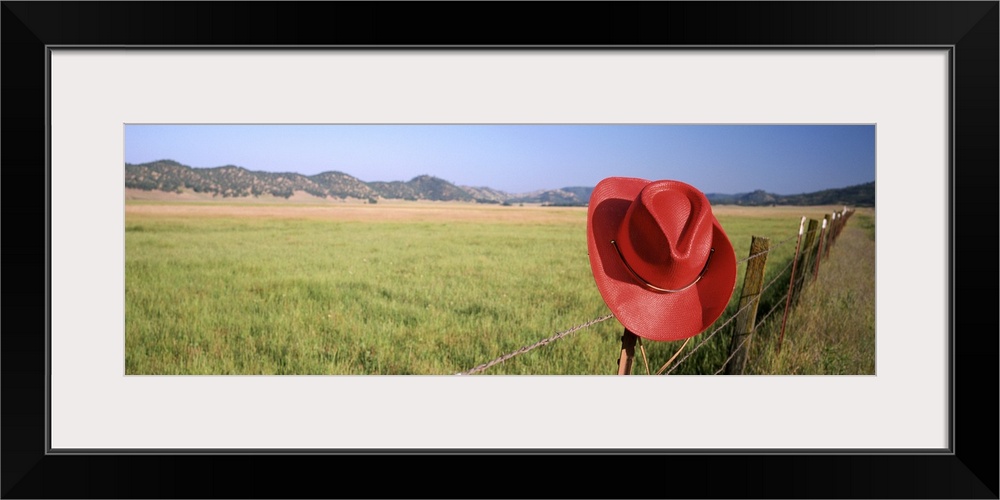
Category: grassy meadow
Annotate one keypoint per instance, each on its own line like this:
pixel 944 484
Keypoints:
pixel 439 288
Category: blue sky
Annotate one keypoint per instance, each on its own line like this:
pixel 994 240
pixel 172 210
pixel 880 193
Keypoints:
pixel 781 159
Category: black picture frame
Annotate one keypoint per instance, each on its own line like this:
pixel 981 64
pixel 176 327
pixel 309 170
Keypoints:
pixel 969 470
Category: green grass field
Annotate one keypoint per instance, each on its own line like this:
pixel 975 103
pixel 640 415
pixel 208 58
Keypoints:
pixel 393 289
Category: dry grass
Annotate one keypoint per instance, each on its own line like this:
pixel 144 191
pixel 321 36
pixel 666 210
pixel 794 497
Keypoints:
pixel 389 211
pixel 306 206
pixel 813 212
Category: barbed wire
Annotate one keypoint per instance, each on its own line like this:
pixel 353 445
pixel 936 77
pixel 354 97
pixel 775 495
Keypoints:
pixel 769 250
pixel 753 256
pixel 786 240
pixel 540 343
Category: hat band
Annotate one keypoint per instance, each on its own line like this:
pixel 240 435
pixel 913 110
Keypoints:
pixel 654 287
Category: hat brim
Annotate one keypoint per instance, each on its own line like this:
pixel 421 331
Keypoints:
pixel 646 313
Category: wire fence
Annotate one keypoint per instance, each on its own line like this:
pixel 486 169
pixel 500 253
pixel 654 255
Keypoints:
pixel 812 246
pixel 540 343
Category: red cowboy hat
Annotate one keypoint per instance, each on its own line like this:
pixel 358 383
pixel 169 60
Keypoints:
pixel 661 260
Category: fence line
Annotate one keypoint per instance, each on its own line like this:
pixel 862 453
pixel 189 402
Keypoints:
pixel 821 247
pixel 540 343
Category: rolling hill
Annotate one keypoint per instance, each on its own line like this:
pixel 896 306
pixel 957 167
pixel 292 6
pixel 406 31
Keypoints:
pixel 232 181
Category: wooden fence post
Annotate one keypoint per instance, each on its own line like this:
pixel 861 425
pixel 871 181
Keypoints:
pixel 840 220
pixel 831 234
pixel 843 216
pixel 805 256
pixel 837 220
pixel 627 354
pixel 753 283
pixel 819 248
pixel 791 281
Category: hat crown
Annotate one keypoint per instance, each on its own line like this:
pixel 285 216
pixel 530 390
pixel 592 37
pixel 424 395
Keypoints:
pixel 666 235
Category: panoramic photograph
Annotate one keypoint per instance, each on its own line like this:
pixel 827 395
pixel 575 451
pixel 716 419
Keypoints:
pixel 467 249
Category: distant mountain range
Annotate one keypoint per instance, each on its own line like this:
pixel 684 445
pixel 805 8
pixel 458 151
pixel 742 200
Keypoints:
pixel 231 181
pixel 861 195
